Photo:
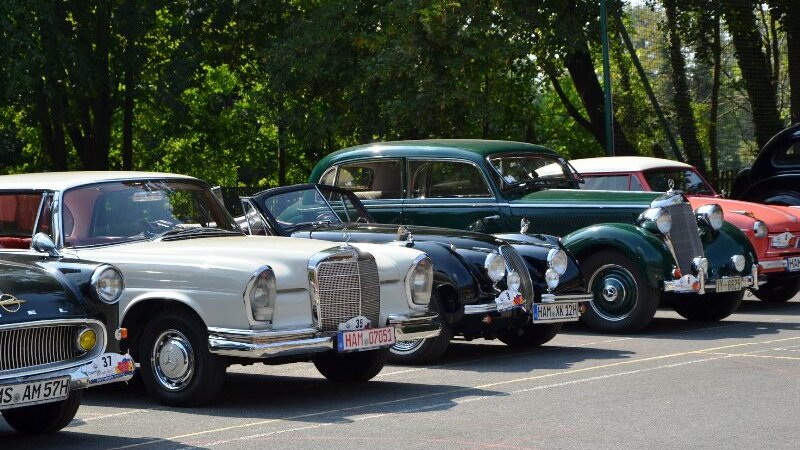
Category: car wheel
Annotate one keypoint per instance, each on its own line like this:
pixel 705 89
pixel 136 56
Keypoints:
pixel 356 367
pixel 622 301
pixel 710 307
pixel 532 335
pixel 46 418
pixel 176 366
pixel 777 292
pixel 421 351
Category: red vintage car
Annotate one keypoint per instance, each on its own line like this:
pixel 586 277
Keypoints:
pixel 773 230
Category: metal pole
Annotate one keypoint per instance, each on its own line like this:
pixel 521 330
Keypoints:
pixel 608 106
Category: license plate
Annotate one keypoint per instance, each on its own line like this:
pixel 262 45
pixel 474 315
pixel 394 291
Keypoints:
pixel 729 284
pixel 108 367
pixel 548 312
pixel 32 393
pixel 354 340
pixel 793 264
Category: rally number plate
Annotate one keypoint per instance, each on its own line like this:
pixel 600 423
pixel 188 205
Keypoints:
pixel 729 284
pixel 551 312
pixel 32 393
pixel 366 339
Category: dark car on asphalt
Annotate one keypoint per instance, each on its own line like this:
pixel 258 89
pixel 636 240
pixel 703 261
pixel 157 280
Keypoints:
pixel 484 286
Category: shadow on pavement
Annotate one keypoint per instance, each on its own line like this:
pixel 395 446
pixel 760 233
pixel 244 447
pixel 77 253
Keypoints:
pixel 68 440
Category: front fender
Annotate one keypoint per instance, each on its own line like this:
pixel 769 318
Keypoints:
pixel 719 246
pixel 450 268
pixel 638 244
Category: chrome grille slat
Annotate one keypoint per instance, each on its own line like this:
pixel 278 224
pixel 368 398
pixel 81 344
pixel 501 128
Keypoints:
pixel 29 347
pixel 685 236
pixel 515 262
pixel 345 289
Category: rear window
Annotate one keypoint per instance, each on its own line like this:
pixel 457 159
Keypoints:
pixel 18 214
pixel 790 156
pixel 371 180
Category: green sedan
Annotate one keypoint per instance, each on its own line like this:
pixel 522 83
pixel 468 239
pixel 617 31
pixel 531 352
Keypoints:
pixel 637 250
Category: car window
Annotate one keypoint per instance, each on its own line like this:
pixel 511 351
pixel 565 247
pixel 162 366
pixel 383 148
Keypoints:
pixel 18 213
pixel 329 177
pixel 606 182
pixel 446 179
pixel 294 209
pixel 636 185
pixel 370 180
pixel 253 220
pixel 791 156
pixel 344 208
pixel 686 180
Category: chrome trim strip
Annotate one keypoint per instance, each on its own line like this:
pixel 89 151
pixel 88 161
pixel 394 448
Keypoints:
pixel 774 264
pixel 572 205
pixel 415 325
pixel 559 298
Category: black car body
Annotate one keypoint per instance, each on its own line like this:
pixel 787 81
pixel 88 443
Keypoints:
pixel 774 177
pixel 57 336
pixel 464 292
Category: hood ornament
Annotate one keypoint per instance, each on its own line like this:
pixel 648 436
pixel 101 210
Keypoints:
pixel 346 235
pixel 404 235
pixel 9 303
pixel 523 225
pixel 671 185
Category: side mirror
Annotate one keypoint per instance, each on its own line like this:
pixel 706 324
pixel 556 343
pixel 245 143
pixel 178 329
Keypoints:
pixel 42 243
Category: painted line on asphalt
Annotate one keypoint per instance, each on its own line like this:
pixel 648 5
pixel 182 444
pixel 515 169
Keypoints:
pixel 750 355
pixel 452 391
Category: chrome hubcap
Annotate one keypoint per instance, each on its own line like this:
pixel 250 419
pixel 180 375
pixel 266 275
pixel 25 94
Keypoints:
pixel 173 360
pixel 613 289
pixel 406 346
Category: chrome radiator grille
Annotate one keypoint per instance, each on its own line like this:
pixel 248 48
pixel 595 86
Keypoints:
pixel 685 236
pixel 22 348
pixel 345 289
pixel 515 262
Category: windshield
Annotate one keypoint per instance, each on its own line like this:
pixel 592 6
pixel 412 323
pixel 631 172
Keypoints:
pixel 124 211
pixel 519 170
pixel 312 207
pixel 686 180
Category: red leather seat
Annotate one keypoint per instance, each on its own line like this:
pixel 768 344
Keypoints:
pixel 15 242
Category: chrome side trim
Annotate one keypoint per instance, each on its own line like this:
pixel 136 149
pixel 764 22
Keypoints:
pixel 568 298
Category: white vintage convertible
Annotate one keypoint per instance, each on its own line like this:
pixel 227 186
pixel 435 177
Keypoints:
pixel 200 296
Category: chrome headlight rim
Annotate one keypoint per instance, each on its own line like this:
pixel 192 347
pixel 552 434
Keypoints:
pixel 738 262
pixel 557 260
pixel 86 330
pixel 97 286
pixel 262 273
pixel 420 298
pixel 551 278
pixel 711 215
pixel 660 217
pixel 760 229
pixel 492 266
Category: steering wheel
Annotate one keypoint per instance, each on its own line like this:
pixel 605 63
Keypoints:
pixel 155 227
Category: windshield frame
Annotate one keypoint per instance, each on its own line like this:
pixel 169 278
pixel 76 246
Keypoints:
pixel 505 186
pixel 258 201
pixel 59 204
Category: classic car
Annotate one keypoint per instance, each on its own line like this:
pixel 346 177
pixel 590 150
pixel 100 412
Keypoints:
pixel 59 330
pixel 477 277
pixel 774 177
pixel 635 248
pixel 773 230
pixel 200 295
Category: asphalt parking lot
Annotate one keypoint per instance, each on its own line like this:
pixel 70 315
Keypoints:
pixel 732 384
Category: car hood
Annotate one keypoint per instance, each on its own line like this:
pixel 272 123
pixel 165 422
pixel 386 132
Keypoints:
pixel 220 263
pixel 44 293
pixel 777 218
pixel 385 233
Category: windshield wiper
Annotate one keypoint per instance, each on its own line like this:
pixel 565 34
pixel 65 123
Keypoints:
pixel 194 231
pixel 304 225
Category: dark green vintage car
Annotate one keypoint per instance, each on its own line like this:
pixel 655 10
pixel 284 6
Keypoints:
pixel 635 248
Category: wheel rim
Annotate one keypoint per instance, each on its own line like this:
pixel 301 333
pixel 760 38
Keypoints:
pixel 614 291
pixel 172 360
pixel 406 347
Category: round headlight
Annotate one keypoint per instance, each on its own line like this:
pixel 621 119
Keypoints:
pixel 495 267
pixel 557 260
pixel 263 290
pixel 738 262
pixel 107 284
pixel 420 281
pixel 513 281
pixel 661 218
pixel 760 229
pixel 712 215
pixel 551 277
pixel 86 339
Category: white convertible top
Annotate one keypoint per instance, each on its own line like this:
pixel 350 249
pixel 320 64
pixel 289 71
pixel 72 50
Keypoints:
pixel 609 164
pixel 60 181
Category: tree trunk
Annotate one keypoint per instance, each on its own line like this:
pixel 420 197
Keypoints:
pixel 754 64
pixel 680 96
pixel 101 104
pixel 713 113
pixel 581 69
pixel 791 24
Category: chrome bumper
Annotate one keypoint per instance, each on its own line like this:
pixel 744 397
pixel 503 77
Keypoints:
pixel 690 284
pixel 485 308
pixel 268 344
pixel 80 377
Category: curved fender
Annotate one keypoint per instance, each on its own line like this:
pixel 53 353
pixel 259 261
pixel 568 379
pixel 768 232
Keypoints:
pixel 449 267
pixel 719 246
pixel 652 255
pixel 163 295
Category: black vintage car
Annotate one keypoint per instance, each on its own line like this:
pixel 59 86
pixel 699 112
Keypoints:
pixel 774 177
pixel 58 332
pixel 484 286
